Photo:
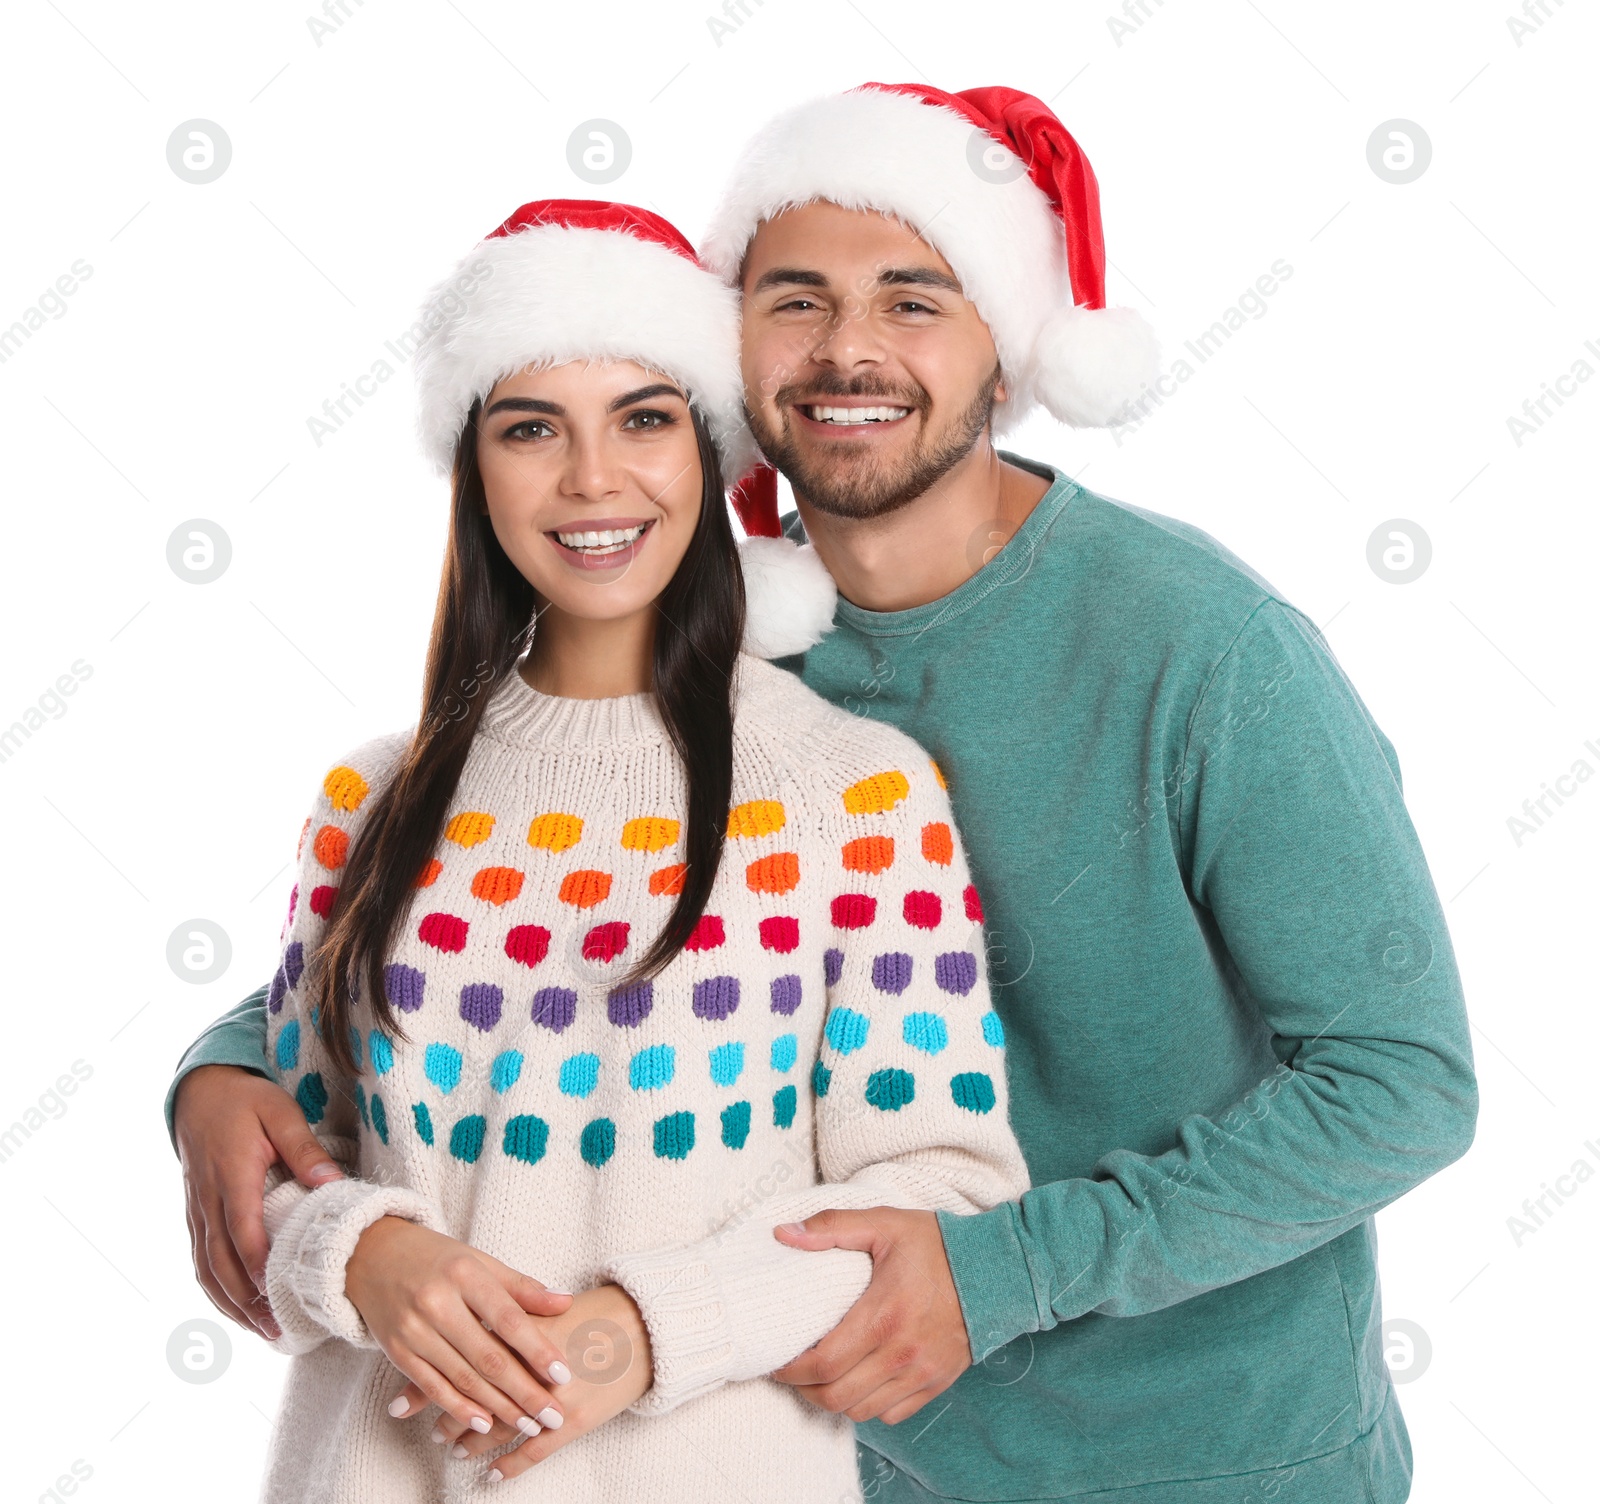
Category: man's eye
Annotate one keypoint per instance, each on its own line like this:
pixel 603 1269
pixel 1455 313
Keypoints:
pixel 798 305
pixel 911 306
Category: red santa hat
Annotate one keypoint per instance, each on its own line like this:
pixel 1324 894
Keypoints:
pixel 579 279
pixel 997 185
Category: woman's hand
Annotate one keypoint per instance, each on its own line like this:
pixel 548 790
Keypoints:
pixel 456 1322
pixel 608 1350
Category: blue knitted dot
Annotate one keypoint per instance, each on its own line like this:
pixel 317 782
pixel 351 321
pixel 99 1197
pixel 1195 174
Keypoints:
pixel 674 1135
pixel 355 1045
pixel 598 1142
pixel 891 972
pixel 424 1121
pixel 846 1030
pixel 785 1048
pixel 956 971
pixel 925 1031
pixel 441 1064
pixel 525 1138
pixel 736 1124
pixel 380 1117
pixel 832 965
pixel 972 1090
pixel 785 994
pixel 783 1105
pixel 890 1090
pixel 466 1138
pixel 994 1032
pixel 652 1067
pixel 505 1069
pixel 821 1079
pixel 381 1052
pixel 579 1074
pixel 727 1063
pixel 312 1096
pixel 289 1045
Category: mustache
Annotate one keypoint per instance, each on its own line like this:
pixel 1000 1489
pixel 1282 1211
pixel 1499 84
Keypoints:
pixel 797 393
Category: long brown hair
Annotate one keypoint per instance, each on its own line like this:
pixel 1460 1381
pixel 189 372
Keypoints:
pixel 482 615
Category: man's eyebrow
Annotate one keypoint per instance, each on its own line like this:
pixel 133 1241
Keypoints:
pixel 627 399
pixel 789 276
pixel 919 276
pixel 526 405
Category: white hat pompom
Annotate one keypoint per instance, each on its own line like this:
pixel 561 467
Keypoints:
pixel 1089 364
pixel 789 597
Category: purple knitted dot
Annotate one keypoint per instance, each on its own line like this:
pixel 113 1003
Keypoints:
pixel 785 994
pixel 891 972
pixel 294 962
pixel 555 1007
pixel 628 1007
pixel 832 965
pixel 716 997
pixel 480 1004
pixel 280 986
pixel 956 971
pixel 403 985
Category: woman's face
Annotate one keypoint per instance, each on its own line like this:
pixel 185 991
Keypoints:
pixel 593 481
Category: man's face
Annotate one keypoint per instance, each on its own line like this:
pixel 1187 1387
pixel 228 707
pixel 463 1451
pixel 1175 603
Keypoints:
pixel 867 372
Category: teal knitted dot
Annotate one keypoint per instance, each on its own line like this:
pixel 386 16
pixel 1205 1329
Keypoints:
pixel 783 1105
pixel 674 1135
pixel 525 1138
pixel 727 1063
pixel 466 1138
pixel 821 1078
pixel 289 1045
pixel 972 1090
pixel 355 1045
pixel 441 1064
pixel 785 1048
pixel 380 1052
pixel 925 1031
pixel 361 1103
pixel 598 1142
pixel 579 1075
pixel 846 1030
pixel 652 1067
pixel 504 1070
pixel 380 1117
pixel 424 1122
pixel 736 1124
pixel 890 1090
pixel 994 1032
pixel 312 1096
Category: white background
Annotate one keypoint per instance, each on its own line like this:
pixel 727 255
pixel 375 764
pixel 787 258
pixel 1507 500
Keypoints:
pixel 178 382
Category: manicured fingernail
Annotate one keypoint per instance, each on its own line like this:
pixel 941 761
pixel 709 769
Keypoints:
pixel 458 1450
pixel 494 1475
pixel 550 1418
pixel 528 1426
pixel 792 1227
pixel 560 1373
pixel 438 1436
pixel 551 1290
pixel 481 1424
pixel 399 1405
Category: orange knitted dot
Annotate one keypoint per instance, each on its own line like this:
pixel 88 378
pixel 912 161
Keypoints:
pixel 330 846
pixel 584 888
pixel 936 843
pixel 869 854
pixel 496 884
pixel 937 774
pixel 876 795
pixel 430 873
pixel 668 879
pixel 649 833
pixel 300 844
pixel 345 788
pixel 555 831
pixel 756 817
pixel 777 873
pixel 470 828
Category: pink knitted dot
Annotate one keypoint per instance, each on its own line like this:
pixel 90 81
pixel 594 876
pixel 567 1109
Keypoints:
pixel 443 932
pixel 780 932
pixel 969 896
pixel 854 911
pixel 707 934
pixel 923 909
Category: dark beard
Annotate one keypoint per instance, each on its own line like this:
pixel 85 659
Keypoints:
pixel 857 493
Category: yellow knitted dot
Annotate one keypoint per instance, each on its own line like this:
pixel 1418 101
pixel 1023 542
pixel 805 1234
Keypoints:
pixel 756 817
pixel 345 787
pixel 470 828
pixel 937 774
pixel 876 795
pixel 649 833
pixel 555 831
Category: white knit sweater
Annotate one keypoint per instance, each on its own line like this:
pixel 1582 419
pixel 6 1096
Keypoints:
pixel 825 1040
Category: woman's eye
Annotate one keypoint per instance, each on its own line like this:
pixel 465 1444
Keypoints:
pixel 532 429
pixel 648 420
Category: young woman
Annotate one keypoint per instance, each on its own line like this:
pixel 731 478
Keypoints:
pixel 630 950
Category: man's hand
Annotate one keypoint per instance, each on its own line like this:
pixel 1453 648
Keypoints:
pixel 905 1340
pixel 231 1127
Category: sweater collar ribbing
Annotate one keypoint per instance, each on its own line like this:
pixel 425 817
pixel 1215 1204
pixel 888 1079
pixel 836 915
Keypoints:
pixel 521 716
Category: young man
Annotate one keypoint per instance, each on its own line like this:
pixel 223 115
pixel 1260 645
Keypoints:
pixel 1233 1020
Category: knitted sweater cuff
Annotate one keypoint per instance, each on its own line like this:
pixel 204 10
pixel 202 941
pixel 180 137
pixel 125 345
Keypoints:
pixel 313 1234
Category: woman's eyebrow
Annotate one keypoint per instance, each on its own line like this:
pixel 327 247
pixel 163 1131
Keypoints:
pixel 527 405
pixel 627 399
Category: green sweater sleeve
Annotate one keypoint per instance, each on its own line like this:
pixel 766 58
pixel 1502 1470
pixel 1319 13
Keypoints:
pixel 1291 833
pixel 238 1038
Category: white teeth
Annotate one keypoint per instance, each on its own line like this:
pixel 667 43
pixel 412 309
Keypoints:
pixel 604 541
pixel 857 414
